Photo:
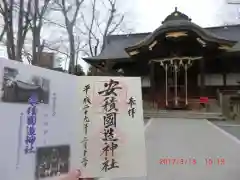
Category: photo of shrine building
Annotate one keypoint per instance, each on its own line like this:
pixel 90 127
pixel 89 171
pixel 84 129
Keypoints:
pixel 179 62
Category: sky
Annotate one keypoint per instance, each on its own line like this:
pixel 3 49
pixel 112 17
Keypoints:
pixel 206 13
pixel 146 16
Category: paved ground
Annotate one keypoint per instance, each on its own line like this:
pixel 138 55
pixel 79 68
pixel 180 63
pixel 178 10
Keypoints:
pixel 231 127
pixel 146 120
pixel 191 139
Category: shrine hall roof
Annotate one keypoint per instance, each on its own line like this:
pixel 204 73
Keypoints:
pixel 116 44
pixel 117 47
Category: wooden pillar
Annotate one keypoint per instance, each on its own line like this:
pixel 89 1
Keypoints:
pixel 108 66
pixel 224 79
pixel 176 84
pixel 166 84
pixel 94 71
pixel 202 76
pixel 152 81
pixel 186 84
pixel 224 69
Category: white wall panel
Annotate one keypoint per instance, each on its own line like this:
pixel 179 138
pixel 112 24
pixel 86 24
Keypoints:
pixel 233 79
pixel 145 82
pixel 212 80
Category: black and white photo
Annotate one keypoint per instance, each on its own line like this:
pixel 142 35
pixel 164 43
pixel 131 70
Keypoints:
pixel 52 161
pixel 19 87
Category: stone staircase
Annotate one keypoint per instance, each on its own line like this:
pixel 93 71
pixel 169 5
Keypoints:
pixel 184 114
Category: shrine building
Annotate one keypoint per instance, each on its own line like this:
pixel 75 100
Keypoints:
pixel 179 62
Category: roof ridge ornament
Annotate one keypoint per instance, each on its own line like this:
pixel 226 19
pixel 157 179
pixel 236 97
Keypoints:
pixel 176 15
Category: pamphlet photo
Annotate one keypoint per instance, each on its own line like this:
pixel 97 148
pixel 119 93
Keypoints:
pixel 52 161
pixel 19 87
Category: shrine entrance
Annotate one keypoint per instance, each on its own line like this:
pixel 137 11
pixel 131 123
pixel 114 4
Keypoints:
pixel 176 80
pixel 174 47
pixel 176 93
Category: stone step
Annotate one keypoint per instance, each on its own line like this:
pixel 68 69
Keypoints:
pixel 184 114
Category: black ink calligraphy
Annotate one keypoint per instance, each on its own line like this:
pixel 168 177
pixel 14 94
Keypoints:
pixel 110 111
pixel 109 164
pixel 86 89
pixel 132 107
pixel 31 125
pixel 86 121
pixel 110 88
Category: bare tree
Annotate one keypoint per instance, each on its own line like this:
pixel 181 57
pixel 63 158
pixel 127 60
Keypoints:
pixel 7 10
pixel 67 10
pixel 91 71
pixel 36 26
pixel 7 13
pixel 3 32
pixel 29 16
pixel 98 29
pixel 78 71
pixel 87 33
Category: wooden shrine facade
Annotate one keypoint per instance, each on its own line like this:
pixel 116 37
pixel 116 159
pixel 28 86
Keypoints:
pixel 179 62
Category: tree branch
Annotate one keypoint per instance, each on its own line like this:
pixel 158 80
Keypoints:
pixel 110 20
pixel 3 32
pixel 20 31
pixel 91 27
pixel 54 23
pixel 38 15
pixel 116 26
pixel 88 28
pixel 58 51
pixel 27 19
pixel 1 9
pixel 70 28
pixel 78 5
pixel 8 20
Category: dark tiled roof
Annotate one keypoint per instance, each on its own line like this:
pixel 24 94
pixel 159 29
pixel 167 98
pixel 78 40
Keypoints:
pixel 116 44
pixel 181 25
pixel 226 32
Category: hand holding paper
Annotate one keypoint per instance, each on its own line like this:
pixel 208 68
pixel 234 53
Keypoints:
pixel 74 175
